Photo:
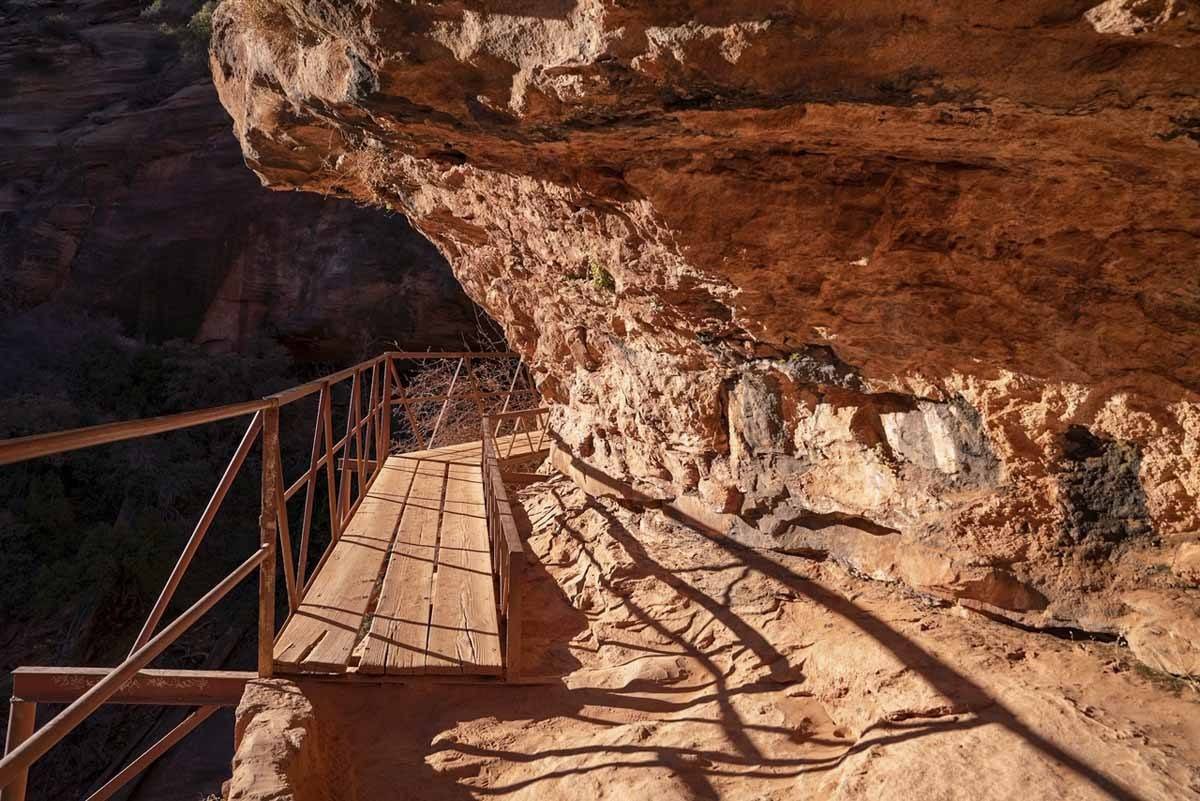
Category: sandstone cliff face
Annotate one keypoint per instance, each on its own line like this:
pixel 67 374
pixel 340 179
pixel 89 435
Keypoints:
pixel 913 285
pixel 123 192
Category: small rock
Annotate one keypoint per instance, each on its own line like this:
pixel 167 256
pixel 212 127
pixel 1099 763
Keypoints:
pixel 720 496
pixel 782 672
pixel 1163 631
pixel 1187 561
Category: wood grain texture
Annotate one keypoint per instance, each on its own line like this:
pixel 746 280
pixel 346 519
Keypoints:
pixel 420 534
pixel 397 640
pixel 464 635
pixel 323 632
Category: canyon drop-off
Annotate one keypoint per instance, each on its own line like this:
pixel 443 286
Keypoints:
pixel 914 286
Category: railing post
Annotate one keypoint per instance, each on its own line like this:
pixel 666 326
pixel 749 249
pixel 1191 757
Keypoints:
pixel 508 396
pixel 21 717
pixel 512 630
pixel 385 412
pixel 335 530
pixel 267 534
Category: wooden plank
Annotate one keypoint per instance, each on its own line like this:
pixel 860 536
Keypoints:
pixel 464 636
pixel 436 610
pixel 62 685
pixel 463 453
pixel 470 453
pixel 325 628
pixel 397 641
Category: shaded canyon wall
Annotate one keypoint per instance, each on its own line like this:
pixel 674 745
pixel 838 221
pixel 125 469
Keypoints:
pixel 123 193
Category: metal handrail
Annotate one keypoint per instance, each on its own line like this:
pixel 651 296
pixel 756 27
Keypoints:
pixel 32 447
pixel 19 760
pixel 363 450
pixel 507 551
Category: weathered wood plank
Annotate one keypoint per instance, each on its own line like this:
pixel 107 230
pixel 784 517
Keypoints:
pixel 436 611
pixel 462 453
pixel 323 632
pixel 470 453
pixel 399 631
pixel 463 630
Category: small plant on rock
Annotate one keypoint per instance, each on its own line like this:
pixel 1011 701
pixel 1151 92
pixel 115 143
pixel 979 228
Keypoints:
pixel 193 36
pixel 601 278
pixel 199 27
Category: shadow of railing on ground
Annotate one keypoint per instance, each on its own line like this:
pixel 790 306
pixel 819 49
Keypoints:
pixel 698 768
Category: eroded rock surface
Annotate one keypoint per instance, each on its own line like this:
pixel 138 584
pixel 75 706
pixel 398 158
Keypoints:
pixel 913 284
pixel 675 666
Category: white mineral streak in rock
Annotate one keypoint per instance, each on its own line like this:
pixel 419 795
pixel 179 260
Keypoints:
pixel 1132 17
pixel 531 44
pixel 735 39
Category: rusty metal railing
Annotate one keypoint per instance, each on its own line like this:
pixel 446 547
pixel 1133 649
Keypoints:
pixel 508 554
pixel 349 465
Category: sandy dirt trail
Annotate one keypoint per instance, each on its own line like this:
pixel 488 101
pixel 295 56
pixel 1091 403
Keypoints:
pixel 678 667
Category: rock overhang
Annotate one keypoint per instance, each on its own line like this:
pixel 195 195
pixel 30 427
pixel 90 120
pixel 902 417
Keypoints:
pixel 785 259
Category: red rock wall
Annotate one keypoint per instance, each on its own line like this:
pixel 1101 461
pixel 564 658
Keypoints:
pixel 913 285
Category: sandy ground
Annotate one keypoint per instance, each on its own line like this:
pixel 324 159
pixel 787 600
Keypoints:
pixel 680 667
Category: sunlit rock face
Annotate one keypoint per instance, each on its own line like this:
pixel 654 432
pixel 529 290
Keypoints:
pixel 913 285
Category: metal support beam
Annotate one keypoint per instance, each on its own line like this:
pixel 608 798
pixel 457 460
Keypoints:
pixel 152 753
pixel 267 532
pixel 21 717
pixel 62 685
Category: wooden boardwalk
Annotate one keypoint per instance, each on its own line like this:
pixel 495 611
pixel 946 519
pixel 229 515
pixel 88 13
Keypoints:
pixel 409 588
pixel 423 575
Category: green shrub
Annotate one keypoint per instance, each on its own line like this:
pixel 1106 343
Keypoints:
pixel 193 37
pixel 602 279
pixel 200 25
